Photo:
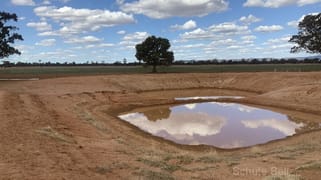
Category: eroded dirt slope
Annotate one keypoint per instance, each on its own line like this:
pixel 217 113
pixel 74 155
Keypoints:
pixel 65 128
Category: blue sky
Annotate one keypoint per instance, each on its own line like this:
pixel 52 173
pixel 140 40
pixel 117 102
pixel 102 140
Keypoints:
pixel 108 30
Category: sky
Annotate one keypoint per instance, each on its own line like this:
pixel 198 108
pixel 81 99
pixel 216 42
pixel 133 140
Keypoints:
pixel 108 30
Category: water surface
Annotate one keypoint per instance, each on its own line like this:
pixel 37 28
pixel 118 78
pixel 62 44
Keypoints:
pixel 208 97
pixel 224 125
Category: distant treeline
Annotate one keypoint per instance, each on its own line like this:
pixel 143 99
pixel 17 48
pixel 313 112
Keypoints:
pixel 177 62
pixel 250 61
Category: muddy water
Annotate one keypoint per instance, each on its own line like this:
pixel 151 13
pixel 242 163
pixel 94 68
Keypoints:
pixel 224 125
pixel 208 98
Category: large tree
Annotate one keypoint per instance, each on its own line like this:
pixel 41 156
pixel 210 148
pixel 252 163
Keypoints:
pixel 7 35
pixel 154 51
pixel 309 35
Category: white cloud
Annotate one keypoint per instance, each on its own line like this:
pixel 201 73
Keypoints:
pixel 181 125
pixel 169 8
pixel 249 19
pixel 253 3
pixel 23 2
pixel 46 2
pixel 197 34
pixel 246 109
pixel 49 33
pixel 121 32
pixel 40 26
pixel 120 2
pixel 281 46
pixel 224 42
pixel 192 46
pixel 101 45
pixel 278 40
pixel 229 27
pixel 217 31
pixel 24 49
pixel 106 45
pixel 293 24
pixel 272 28
pixel 278 44
pixel 127 44
pixel 186 26
pixel 84 40
pixel 21 18
pixel 248 38
pixel 306 2
pixel 137 36
pixel 278 3
pixel 58 55
pixel 130 40
pixel 286 127
pixel 234 47
pixel 46 42
pixel 187 50
pixel 75 21
pixel 190 106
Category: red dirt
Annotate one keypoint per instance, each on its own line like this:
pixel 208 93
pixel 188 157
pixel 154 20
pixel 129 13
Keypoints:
pixel 66 128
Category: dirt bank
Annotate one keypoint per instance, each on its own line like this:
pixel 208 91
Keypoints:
pixel 65 128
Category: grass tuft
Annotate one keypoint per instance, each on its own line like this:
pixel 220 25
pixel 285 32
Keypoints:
pixel 160 164
pixel 54 134
pixel 314 165
pixel 283 177
pixel 147 174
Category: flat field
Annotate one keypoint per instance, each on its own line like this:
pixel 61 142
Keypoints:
pixel 62 71
pixel 67 127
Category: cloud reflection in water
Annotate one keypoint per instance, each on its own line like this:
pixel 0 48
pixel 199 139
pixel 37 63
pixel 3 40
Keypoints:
pixel 225 125
pixel 181 125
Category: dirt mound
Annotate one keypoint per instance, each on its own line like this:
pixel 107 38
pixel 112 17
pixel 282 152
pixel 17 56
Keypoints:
pixel 66 128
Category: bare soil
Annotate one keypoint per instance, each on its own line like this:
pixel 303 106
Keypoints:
pixel 67 128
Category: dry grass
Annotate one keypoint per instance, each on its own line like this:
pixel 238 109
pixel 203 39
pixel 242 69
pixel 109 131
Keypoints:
pixel 314 165
pixel 89 118
pixel 283 177
pixel 155 175
pixel 54 134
